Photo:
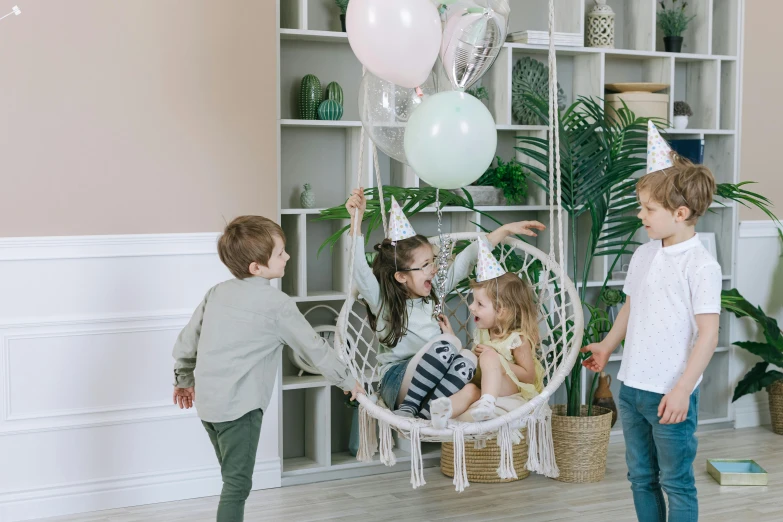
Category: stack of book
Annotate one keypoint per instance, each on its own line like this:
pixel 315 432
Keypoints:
pixel 542 38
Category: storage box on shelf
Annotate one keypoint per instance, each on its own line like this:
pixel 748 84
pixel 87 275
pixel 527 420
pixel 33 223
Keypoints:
pixel 324 154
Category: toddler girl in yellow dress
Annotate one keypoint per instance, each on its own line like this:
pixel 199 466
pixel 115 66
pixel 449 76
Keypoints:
pixel 506 316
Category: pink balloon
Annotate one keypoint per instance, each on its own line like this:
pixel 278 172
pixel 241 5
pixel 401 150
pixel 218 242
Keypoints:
pixel 397 40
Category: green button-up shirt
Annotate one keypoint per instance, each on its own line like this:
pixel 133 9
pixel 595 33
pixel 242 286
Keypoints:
pixel 230 349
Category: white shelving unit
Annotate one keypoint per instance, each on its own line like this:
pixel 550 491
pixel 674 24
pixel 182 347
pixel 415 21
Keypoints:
pixel 314 422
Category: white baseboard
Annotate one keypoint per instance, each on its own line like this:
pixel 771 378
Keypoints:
pixel 136 490
pixel 751 414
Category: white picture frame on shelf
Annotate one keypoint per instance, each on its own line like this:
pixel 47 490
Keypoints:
pixel 708 240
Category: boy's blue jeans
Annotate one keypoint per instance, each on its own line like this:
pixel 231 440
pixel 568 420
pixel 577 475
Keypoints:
pixel 659 456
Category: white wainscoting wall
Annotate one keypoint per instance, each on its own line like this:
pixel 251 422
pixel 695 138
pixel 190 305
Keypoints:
pixel 760 280
pixel 86 330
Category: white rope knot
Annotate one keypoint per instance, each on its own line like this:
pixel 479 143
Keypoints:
pixel 368 443
pixel 541 448
pixel 460 468
pixel 417 462
pixel 506 469
pixel 387 445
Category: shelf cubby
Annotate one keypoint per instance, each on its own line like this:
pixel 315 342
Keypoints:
pixel 696 82
pixel 726 22
pixel 719 156
pixel 533 15
pixel 728 95
pixel 622 68
pixel 720 220
pixel 634 25
pixel 330 62
pixel 305 420
pixel 698 38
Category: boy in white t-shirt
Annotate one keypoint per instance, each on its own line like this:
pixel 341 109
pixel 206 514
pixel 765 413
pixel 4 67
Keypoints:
pixel 670 326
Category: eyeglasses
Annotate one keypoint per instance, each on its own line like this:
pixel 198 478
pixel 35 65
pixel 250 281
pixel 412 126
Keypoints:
pixel 429 266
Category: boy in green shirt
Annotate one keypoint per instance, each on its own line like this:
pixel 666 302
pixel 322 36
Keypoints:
pixel 230 350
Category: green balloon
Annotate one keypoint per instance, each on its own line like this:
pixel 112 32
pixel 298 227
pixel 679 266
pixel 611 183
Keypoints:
pixel 450 140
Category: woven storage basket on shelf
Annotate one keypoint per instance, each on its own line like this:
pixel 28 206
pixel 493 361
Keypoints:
pixel 482 464
pixel 581 443
pixel 775 391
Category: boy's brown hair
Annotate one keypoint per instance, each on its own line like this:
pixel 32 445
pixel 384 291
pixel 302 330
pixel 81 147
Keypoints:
pixel 245 240
pixel 682 185
pixel 515 304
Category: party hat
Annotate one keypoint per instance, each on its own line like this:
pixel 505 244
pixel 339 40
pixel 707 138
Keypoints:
pixel 658 151
pixel 399 226
pixel 487 267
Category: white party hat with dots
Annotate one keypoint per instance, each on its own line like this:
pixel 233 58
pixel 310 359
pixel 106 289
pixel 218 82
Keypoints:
pixel 487 267
pixel 659 154
pixel 399 226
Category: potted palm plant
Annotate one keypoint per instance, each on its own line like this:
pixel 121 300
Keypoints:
pixel 771 352
pixel 673 22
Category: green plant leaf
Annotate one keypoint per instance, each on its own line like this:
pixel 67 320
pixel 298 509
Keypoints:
pixel 756 380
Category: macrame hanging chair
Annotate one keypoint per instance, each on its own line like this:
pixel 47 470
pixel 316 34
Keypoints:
pixel 560 324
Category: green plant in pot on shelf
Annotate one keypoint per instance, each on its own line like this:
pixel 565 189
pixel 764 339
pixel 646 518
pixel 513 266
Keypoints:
pixel 503 184
pixel 673 21
pixel 682 111
pixel 770 351
pixel 343 6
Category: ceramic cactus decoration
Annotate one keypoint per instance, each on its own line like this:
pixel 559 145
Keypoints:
pixel 335 92
pixel 330 110
pixel 310 97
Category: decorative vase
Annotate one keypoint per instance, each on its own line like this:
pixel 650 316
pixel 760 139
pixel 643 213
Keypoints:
pixel 310 97
pixel 342 21
pixel 307 199
pixel 672 44
pixel 353 439
pixel 600 26
pixel 603 396
pixel 581 443
pixel 680 122
pixel 335 92
pixel 330 110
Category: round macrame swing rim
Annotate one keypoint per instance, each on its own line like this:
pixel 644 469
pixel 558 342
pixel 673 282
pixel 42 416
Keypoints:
pixel 474 430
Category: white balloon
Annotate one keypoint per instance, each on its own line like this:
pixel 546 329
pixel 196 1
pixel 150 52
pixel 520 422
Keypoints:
pixel 450 140
pixel 398 40
pixel 385 109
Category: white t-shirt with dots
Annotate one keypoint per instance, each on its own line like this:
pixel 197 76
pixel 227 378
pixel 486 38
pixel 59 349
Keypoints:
pixel 668 288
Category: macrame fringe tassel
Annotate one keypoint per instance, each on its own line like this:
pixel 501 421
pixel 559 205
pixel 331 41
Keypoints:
pixel 387 445
pixel 541 452
pixel 417 462
pixel 460 468
pixel 506 469
pixel 368 443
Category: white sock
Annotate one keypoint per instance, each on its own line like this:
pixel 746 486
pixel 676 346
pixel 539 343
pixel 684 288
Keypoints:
pixel 440 412
pixel 484 408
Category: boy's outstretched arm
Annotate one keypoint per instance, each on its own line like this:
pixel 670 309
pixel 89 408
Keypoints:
pixel 674 405
pixel 296 332
pixel 184 353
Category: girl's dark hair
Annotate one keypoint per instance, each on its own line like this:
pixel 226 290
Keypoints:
pixel 394 296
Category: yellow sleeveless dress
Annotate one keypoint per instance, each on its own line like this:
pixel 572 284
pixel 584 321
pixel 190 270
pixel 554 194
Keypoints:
pixel 505 349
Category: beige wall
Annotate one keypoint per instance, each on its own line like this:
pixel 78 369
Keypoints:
pixel 136 116
pixel 762 110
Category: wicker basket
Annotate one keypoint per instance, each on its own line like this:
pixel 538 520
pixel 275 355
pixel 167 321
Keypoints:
pixel 482 464
pixel 581 443
pixel 775 391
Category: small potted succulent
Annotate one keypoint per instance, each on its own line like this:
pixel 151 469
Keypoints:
pixel 682 111
pixel 343 6
pixel 673 22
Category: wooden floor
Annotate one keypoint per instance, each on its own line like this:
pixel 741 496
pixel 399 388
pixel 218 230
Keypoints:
pixel 390 497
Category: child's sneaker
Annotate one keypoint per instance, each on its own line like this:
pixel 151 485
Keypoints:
pixel 484 409
pixel 440 412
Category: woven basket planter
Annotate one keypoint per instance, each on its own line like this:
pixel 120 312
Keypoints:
pixel 775 391
pixel 581 443
pixel 482 464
